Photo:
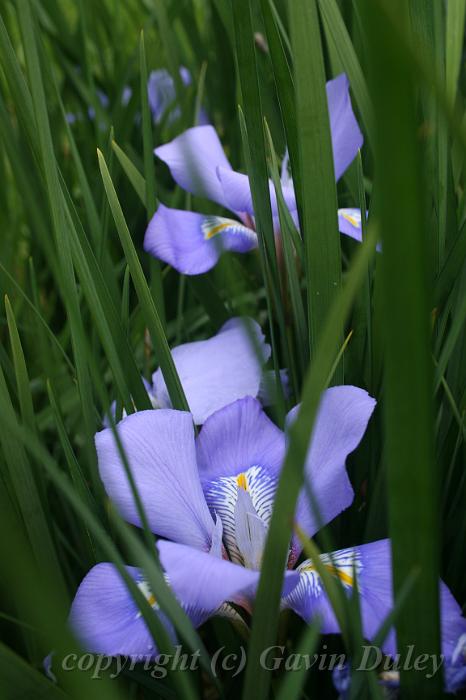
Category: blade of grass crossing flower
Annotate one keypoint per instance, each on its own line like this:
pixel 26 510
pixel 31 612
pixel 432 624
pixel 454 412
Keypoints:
pixel 152 318
pixel 414 523
pixel 317 195
pixel 264 624
pixel 292 247
pixel 271 292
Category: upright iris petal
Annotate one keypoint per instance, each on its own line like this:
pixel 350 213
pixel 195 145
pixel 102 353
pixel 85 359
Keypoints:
pixel 217 371
pixel 193 159
pixel 343 415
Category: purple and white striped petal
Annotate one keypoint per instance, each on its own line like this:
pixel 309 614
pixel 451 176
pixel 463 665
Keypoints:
pixel 372 565
pixel 240 450
pixel 159 446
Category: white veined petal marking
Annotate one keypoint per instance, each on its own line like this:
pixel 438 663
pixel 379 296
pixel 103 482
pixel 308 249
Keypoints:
pixel 222 494
pixel 214 225
pixel 343 565
pixel 148 595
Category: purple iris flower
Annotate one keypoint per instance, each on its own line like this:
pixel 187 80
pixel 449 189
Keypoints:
pixel 192 243
pixel 161 91
pixel 211 497
pixel 219 370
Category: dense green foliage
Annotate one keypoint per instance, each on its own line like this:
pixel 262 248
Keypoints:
pixel 86 311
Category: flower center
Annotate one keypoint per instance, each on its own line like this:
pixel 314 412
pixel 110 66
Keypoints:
pixel 244 504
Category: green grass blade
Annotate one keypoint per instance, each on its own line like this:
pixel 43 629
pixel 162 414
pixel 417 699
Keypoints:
pixel 317 195
pixel 154 324
pixel 414 523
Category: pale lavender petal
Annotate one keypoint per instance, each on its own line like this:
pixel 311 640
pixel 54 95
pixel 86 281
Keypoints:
pixel 177 238
pixel 219 370
pixel 347 138
pixel 341 422
pixel 237 437
pixel 106 619
pixel 192 243
pixel 372 564
pixel 193 159
pixel 160 448
pixel 202 581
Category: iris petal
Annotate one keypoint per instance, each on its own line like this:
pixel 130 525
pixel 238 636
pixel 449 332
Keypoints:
pixel 217 371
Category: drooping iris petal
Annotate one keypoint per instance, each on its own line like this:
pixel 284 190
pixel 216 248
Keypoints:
pixel 192 243
pixel 217 371
pixel 347 138
pixel 106 619
pixel 372 565
pixel 340 425
pixel 203 582
pixel 193 159
pixel 159 446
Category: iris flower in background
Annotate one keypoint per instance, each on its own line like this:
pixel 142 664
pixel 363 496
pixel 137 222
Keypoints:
pixel 211 497
pixel 161 91
pixel 219 370
pixel 126 95
pixel 192 243
pixel 453 667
